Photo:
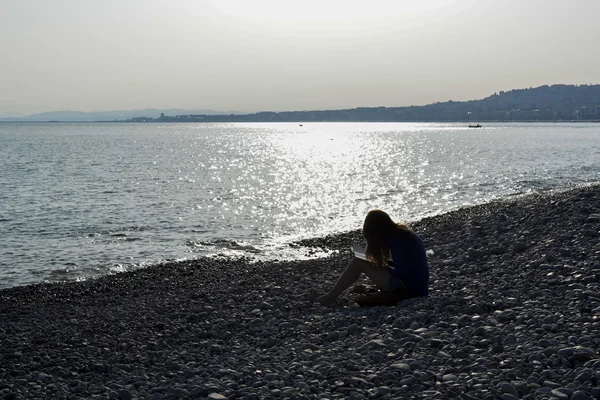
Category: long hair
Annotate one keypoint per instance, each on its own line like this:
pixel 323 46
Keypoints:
pixel 378 226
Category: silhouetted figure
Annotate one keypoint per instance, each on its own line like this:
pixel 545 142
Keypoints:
pixel 396 262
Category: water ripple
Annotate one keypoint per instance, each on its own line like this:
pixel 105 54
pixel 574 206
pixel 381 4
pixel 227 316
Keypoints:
pixel 172 191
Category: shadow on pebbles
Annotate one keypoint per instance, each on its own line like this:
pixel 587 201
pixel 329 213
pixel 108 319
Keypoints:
pixel 514 313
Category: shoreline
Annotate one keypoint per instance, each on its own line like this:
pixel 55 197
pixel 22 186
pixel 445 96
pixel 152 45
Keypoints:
pixel 514 311
pixel 308 246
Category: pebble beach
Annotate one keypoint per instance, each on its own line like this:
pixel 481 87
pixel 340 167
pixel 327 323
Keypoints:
pixel 514 313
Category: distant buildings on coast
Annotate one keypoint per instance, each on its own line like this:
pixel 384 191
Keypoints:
pixel 544 103
pixel 588 112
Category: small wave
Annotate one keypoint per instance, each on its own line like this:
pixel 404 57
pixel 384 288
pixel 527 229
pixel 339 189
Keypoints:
pixel 223 244
pixel 60 272
pixel 118 268
pixel 191 243
pixel 233 245
pixel 118 231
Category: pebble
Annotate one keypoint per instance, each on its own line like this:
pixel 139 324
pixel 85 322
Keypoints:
pixel 579 395
pixel 550 384
pixel 383 390
pixel 506 387
pixel 449 378
pixel 559 394
pixel 402 367
pixel 124 394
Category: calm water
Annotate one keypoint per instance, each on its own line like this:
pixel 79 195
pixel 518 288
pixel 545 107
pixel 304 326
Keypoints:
pixel 81 200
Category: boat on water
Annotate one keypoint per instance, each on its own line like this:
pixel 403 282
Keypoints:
pixel 478 125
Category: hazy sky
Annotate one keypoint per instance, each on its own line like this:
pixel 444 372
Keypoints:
pixel 252 55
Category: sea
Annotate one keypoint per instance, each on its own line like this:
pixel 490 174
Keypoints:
pixel 82 200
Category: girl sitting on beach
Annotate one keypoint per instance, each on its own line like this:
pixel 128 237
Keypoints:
pixel 397 263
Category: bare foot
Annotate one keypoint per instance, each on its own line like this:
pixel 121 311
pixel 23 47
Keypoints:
pixel 313 297
pixel 325 300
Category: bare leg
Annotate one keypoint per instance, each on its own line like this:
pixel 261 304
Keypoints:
pixel 379 275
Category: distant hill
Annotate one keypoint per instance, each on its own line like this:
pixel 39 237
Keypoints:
pixel 544 103
pixel 106 115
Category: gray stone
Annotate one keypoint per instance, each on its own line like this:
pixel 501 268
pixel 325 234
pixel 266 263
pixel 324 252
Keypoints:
pixel 583 353
pixel 509 341
pixel 193 318
pixel 532 379
pixel 565 390
pixel 181 393
pixel 13 356
pixel 310 346
pixel 44 377
pixel 520 247
pixel 375 343
pixel 449 378
pixel 378 358
pixel 583 377
pixel 519 385
pixel 417 387
pixel 124 394
pixel 383 390
pixel 551 385
pixel 565 352
pixel 407 381
pixel 559 395
pixel 356 381
pixel 401 367
pixel 543 390
pixel 594 218
pixel 506 387
pixel 198 392
pixel 579 395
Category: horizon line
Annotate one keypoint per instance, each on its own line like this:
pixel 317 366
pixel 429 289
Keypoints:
pixel 3 119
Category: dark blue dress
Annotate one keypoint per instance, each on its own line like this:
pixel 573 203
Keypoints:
pixel 409 266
